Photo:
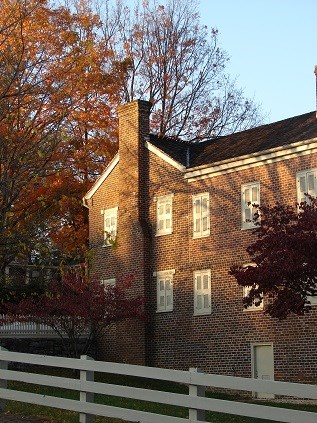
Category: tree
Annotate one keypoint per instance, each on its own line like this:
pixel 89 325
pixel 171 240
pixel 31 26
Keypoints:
pixel 49 149
pixel 284 260
pixel 177 64
pixel 76 308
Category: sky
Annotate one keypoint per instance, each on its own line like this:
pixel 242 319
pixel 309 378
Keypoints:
pixel 272 46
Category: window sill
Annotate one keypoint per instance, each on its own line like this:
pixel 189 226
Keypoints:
pixel 201 236
pixel 243 228
pixel 163 233
pixel 204 313
pixel 252 309
pixel 163 311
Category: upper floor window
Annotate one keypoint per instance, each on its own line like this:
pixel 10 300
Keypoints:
pixel 306 183
pixel 164 288
pixel 164 214
pixel 201 221
pixel 250 196
pixel 202 292
pixel 255 305
pixel 110 225
pixel 108 282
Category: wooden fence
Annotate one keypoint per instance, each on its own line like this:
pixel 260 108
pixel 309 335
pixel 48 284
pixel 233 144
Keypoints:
pixel 195 401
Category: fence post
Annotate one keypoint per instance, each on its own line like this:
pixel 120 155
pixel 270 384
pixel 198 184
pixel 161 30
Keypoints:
pixel 3 382
pixel 196 391
pixel 88 376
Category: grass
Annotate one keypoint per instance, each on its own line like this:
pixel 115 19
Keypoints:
pixel 63 416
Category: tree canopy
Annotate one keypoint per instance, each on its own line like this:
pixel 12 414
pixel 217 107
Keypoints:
pixel 64 69
pixel 75 308
pixel 283 268
pixel 177 64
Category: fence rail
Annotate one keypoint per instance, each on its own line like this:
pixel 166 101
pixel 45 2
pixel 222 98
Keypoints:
pixel 195 401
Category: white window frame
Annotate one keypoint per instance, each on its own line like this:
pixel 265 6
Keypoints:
pixel 164 219
pixel 201 294
pixel 109 235
pixel 201 216
pixel 310 176
pixel 108 282
pixel 164 280
pixel 247 222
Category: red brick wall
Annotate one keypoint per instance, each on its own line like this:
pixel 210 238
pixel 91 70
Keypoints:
pixel 221 341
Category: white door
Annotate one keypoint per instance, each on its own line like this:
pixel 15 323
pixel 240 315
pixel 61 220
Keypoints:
pixel 263 366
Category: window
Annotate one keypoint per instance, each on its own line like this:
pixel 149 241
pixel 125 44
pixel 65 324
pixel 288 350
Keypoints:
pixel 312 299
pixel 110 225
pixel 164 286
pixel 164 209
pixel 246 290
pixel 202 292
pixel 250 195
pixel 108 282
pixel 306 183
pixel 201 221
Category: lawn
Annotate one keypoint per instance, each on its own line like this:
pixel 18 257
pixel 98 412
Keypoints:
pixel 53 414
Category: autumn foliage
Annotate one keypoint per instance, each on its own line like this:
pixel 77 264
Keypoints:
pixel 284 259
pixel 77 308
pixel 64 69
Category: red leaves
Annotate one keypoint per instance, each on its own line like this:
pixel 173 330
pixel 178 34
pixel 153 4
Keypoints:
pixel 285 259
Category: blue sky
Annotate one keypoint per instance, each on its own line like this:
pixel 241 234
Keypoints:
pixel 272 46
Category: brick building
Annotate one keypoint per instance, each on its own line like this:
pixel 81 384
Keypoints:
pixel 175 215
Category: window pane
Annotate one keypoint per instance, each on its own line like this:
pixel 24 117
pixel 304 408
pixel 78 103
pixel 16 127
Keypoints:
pixel 205 281
pixel 167 208
pixel 197 225
pixel 247 195
pixel 161 209
pixel 107 222
pixel 162 301
pixel 205 224
pixel 161 285
pixel 199 302
pixel 197 206
pixel 168 300
pixel 198 282
pixel 167 284
pixel 168 223
pixel 161 224
pixel 302 184
pixel 247 215
pixel 206 301
pixel 204 204
pixel 310 180
pixel 254 194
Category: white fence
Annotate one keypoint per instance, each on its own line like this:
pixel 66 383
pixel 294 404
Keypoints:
pixel 195 401
pixel 25 330
pixel 29 329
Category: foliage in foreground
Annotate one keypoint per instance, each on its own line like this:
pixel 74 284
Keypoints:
pixel 284 259
pixel 77 308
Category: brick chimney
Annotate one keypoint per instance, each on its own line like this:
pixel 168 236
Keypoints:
pixel 132 251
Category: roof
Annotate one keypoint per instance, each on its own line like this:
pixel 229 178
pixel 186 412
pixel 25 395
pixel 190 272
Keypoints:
pixel 261 138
